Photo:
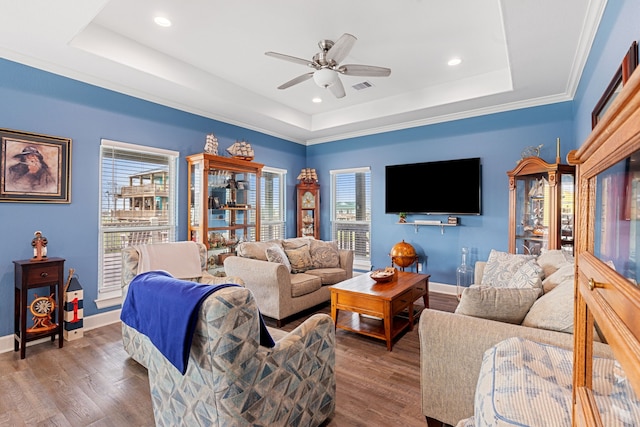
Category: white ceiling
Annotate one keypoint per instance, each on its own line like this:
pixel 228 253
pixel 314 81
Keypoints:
pixel 211 61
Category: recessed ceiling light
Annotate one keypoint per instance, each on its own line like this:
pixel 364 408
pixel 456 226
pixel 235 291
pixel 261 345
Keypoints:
pixel 162 21
pixel 454 61
pixel 316 100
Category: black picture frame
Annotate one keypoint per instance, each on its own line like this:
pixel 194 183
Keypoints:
pixel 34 168
pixel 628 65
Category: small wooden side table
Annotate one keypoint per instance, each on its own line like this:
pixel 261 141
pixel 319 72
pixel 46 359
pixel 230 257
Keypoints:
pixel 49 274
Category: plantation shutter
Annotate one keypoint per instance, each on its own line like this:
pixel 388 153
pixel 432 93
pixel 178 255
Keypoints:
pixel 351 213
pixel 272 210
pixel 137 206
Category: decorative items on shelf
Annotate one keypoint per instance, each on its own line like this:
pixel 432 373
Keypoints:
pixel 530 152
pixel 464 274
pixel 211 145
pixel 308 176
pixel 241 150
pixel 402 217
pixel 454 220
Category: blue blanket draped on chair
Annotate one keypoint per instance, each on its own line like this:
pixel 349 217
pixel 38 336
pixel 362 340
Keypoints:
pixel 165 309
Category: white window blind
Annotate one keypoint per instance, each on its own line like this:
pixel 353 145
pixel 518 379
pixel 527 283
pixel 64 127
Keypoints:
pixel 137 205
pixel 272 209
pixel 351 213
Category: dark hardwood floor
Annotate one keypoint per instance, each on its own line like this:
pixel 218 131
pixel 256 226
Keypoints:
pixel 92 382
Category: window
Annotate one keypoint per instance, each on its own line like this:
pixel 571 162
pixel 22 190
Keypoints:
pixel 272 208
pixel 351 213
pixel 137 206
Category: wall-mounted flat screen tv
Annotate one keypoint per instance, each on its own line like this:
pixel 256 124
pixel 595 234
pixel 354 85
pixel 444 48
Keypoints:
pixel 441 187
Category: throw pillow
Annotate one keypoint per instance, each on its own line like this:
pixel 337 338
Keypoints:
pixel 300 258
pixel 324 254
pixel 528 276
pixel 501 266
pixel 276 254
pixel 551 260
pixel 509 305
pixel 553 310
pixel 565 272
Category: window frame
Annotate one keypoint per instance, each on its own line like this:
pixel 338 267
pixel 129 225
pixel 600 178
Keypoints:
pixel 282 221
pixel 111 294
pixel 360 262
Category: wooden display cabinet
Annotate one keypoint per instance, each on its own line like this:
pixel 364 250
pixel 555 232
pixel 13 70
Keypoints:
pixel 541 206
pixel 308 209
pixel 224 204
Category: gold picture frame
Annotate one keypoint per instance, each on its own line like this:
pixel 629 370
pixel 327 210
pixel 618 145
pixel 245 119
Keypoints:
pixel 34 168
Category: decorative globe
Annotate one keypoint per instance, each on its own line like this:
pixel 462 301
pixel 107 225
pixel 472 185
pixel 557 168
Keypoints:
pixel 403 254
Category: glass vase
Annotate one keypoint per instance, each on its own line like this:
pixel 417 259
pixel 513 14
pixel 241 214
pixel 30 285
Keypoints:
pixel 464 274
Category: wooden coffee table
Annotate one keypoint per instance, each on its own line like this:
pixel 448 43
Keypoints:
pixel 383 301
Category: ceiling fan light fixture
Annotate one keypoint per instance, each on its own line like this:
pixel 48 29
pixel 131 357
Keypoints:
pixel 325 77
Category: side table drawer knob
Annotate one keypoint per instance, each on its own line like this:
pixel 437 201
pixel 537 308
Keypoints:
pixel 44 274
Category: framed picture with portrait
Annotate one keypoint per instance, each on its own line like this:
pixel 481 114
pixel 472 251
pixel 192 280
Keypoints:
pixel 624 71
pixel 34 168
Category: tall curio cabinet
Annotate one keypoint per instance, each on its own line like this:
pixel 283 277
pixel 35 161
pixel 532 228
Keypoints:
pixel 309 209
pixel 224 204
pixel 541 206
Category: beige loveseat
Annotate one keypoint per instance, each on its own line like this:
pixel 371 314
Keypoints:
pixel 452 345
pixel 291 275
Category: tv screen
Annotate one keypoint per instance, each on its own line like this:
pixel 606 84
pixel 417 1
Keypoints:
pixel 442 187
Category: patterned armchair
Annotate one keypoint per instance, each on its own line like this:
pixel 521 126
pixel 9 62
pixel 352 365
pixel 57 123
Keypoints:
pixel 233 381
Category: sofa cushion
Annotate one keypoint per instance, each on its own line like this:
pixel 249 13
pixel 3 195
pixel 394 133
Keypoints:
pixel 276 254
pixel 300 258
pixel 501 266
pixel 296 242
pixel 302 284
pixel 509 305
pixel 324 254
pixel 565 272
pixel 553 310
pixel 329 276
pixel 255 250
pixel 552 259
pixel 529 275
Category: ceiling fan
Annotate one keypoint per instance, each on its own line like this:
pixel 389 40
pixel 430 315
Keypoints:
pixel 327 65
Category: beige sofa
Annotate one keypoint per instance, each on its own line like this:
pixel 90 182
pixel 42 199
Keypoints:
pixel 452 345
pixel 297 277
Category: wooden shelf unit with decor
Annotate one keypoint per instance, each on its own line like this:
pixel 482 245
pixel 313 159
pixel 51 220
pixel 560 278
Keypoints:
pixel 308 209
pixel 224 204
pixel 541 206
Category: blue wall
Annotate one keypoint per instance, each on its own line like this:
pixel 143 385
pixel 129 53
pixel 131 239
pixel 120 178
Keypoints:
pixel 497 139
pixel 41 102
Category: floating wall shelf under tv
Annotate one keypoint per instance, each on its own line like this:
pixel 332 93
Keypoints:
pixel 448 187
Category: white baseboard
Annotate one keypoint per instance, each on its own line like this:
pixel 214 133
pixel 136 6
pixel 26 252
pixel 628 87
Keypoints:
pixel 442 288
pixel 91 322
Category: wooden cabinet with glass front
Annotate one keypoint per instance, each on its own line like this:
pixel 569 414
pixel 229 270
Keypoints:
pixel 224 204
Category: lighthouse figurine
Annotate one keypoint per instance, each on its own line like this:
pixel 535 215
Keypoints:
pixel 73 309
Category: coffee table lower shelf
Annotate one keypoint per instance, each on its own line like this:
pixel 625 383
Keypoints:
pixel 372 327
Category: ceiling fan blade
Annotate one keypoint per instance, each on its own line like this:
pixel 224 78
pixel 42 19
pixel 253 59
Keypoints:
pixel 364 70
pixel 290 58
pixel 297 80
pixel 337 89
pixel 341 48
